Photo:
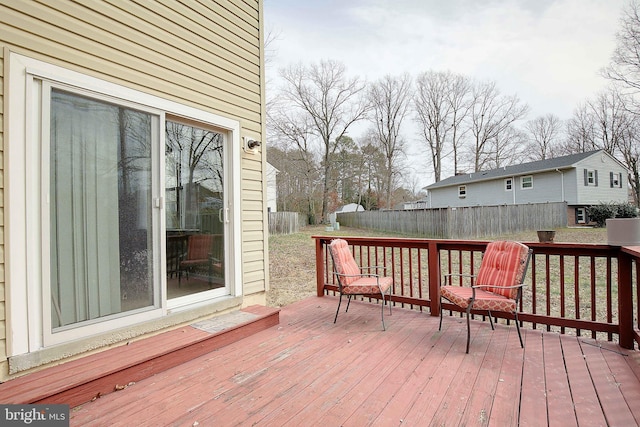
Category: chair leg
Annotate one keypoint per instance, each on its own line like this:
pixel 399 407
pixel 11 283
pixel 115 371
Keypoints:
pixel 382 311
pixel 384 301
pixel 440 327
pixel 338 310
pixel 348 302
pixel 491 321
pixel 468 327
pixel 518 328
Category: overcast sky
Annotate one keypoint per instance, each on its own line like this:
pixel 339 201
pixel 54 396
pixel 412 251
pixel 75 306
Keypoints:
pixel 548 52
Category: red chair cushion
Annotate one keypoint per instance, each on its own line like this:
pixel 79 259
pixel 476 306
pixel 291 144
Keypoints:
pixel 503 264
pixel 368 285
pixel 461 296
pixel 344 263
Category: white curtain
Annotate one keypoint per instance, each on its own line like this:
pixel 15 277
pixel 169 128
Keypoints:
pixel 85 258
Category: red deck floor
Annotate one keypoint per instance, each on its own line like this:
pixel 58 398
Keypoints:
pixel 308 371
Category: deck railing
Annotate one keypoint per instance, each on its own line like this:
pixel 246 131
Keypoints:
pixel 570 288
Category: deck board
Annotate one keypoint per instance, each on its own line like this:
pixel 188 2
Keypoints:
pixel 612 402
pixel 310 371
pixel 582 388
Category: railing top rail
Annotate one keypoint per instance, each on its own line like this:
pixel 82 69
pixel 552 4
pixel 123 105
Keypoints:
pixel 583 249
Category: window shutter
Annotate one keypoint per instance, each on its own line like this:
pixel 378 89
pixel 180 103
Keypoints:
pixel 620 179
pixel 596 177
pixel 611 179
pixel 586 178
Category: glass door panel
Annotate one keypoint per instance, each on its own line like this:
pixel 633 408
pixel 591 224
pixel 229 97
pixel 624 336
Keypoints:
pixel 194 202
pixel 100 211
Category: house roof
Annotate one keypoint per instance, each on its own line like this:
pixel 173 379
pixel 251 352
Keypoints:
pixel 563 162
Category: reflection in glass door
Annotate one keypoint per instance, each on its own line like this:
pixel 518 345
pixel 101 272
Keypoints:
pixel 194 201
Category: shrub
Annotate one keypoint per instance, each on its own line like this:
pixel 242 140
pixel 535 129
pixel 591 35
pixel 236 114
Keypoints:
pixel 600 213
pixel 626 210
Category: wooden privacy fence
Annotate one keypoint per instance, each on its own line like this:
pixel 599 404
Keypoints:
pixel 462 222
pixel 286 222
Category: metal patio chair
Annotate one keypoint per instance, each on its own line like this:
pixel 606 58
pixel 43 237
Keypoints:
pixel 352 280
pixel 497 287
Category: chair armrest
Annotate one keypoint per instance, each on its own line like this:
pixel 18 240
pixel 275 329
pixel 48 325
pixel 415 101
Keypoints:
pixel 371 267
pixel 519 287
pixel 450 275
pixel 358 275
pixel 502 287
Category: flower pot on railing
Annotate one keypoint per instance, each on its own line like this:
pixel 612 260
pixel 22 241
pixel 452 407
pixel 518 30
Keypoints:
pixel 623 231
pixel 546 236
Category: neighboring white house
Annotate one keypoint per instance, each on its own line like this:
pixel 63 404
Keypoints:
pixel 581 180
pixel 272 188
pixel 416 204
pixel 349 207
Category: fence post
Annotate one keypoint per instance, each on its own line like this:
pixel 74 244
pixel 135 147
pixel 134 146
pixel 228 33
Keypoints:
pixel 434 278
pixel 319 268
pixel 625 300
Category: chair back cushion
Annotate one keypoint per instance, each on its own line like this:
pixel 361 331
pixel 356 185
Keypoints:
pixel 343 261
pixel 199 246
pixel 503 264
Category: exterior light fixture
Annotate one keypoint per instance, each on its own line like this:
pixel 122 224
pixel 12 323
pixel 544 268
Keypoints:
pixel 251 145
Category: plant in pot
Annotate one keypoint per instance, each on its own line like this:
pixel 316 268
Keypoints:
pixel 623 229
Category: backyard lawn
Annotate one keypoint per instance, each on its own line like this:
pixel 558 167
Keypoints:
pixel 292 257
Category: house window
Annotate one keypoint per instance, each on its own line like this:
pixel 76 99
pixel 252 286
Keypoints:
pixel 462 191
pixel 526 182
pixel 508 184
pixel 590 177
pixel 615 180
pixel 113 181
pixel 581 215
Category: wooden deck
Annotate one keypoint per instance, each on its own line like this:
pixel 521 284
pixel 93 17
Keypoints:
pixel 308 371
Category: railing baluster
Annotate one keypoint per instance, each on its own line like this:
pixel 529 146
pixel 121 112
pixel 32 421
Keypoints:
pixel 563 312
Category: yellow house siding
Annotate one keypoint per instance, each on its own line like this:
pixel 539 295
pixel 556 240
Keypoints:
pixel 205 54
pixel 254 238
pixel 154 57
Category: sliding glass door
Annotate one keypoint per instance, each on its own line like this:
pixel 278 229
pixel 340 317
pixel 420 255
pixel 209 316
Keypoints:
pixel 195 209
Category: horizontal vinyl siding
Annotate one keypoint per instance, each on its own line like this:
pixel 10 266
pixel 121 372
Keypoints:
pixel 205 54
pixel 254 234
pixel 178 60
pixel 602 193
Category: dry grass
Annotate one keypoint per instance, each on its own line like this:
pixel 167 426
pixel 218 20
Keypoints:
pixel 292 257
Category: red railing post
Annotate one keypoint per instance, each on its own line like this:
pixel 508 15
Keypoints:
pixel 319 268
pixel 625 300
pixel 434 278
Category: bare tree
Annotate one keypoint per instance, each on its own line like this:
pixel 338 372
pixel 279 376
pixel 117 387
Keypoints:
pixel 607 123
pixel 491 114
pixel 331 102
pixel 629 152
pixel 625 61
pixel 294 133
pixel 506 148
pixel 441 105
pixel 598 123
pixel 580 131
pixel 389 98
pixel 624 70
pixel 544 133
